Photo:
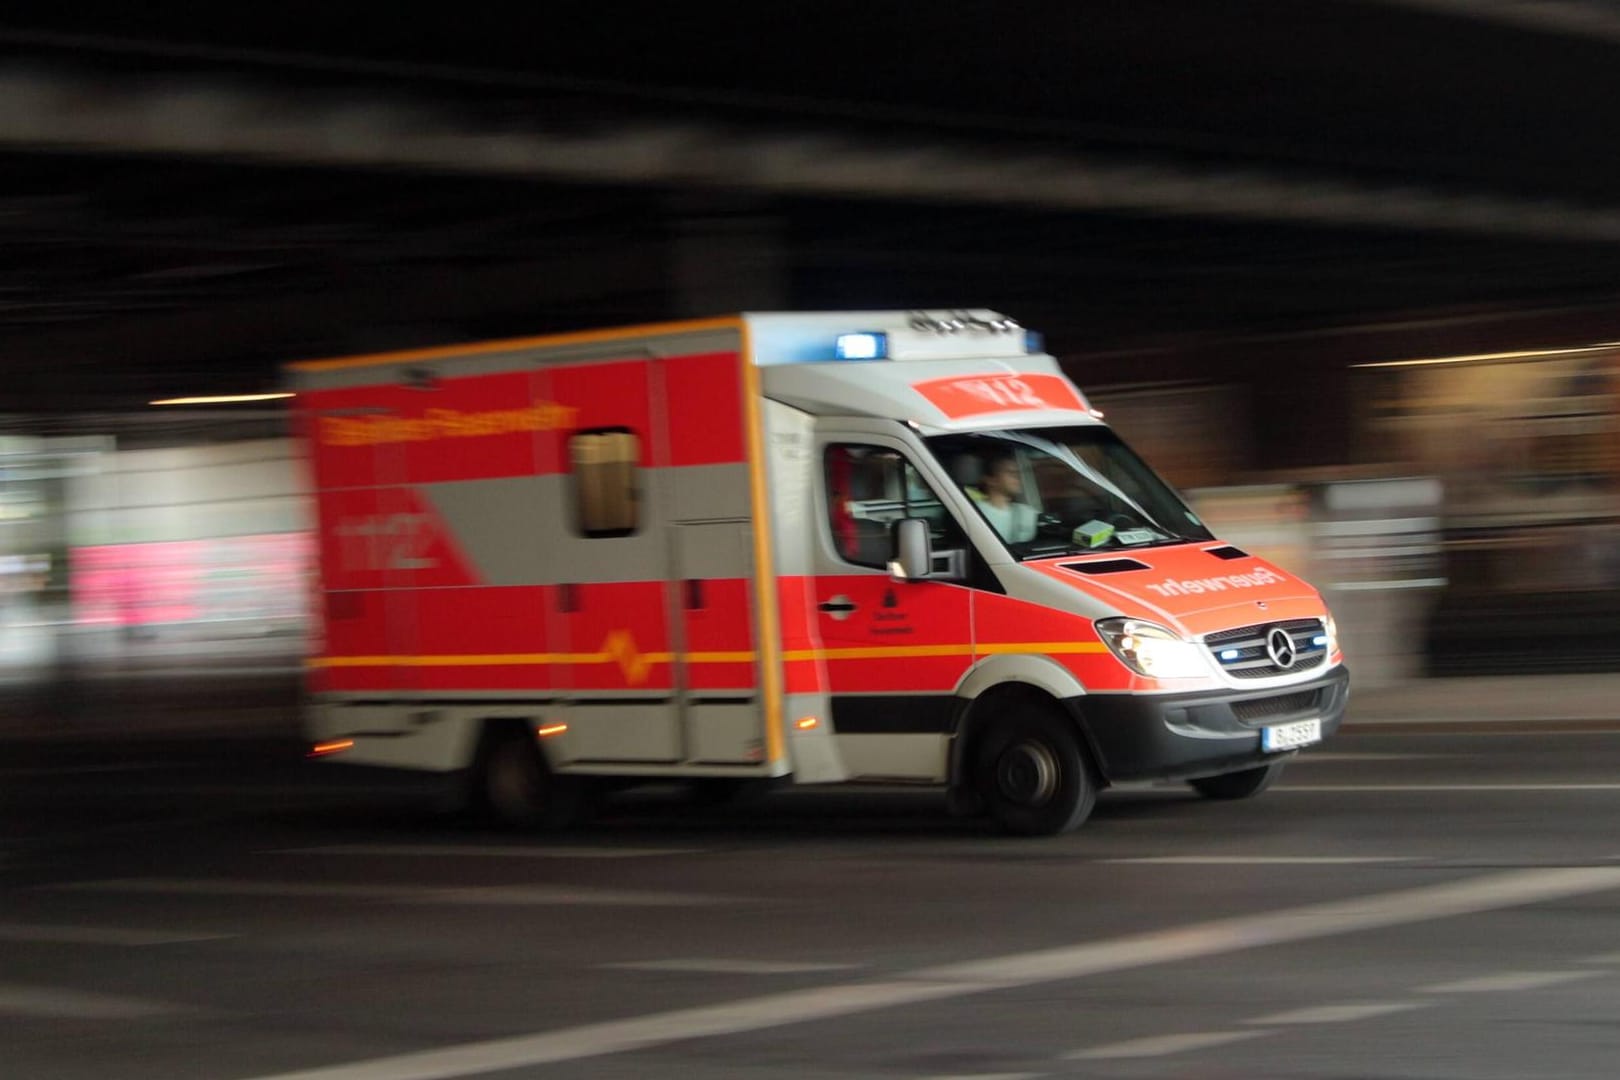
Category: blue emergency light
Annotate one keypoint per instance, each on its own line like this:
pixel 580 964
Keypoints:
pixel 871 346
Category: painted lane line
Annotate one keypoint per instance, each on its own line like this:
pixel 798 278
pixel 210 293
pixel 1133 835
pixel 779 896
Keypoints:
pixel 1510 981
pixel 1470 896
pixel 728 967
pixel 1333 757
pixel 1338 1014
pixel 45 933
pixel 1386 788
pixel 1264 860
pixel 1606 958
pixel 1162 1045
pixel 472 896
pixel 657 1029
pixel 501 852
pixel 1487 893
pixel 50 1003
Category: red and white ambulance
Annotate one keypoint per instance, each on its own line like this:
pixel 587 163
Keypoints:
pixel 861 546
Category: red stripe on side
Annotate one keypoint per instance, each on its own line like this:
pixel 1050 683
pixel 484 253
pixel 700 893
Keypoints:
pixel 720 624
pixel 704 406
pixel 796 596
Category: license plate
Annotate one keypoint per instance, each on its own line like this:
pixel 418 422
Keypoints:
pixel 1291 736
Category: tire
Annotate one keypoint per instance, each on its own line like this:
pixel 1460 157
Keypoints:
pixel 1034 775
pixel 516 790
pixel 1238 785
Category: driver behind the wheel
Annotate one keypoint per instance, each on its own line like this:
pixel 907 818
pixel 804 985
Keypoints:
pixel 999 496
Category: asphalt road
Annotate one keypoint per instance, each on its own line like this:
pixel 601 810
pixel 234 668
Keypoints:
pixel 1401 905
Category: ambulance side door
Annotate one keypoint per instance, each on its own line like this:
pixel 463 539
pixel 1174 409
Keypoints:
pixel 894 651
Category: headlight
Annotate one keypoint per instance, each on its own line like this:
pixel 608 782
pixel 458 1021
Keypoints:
pixel 1152 650
pixel 1331 630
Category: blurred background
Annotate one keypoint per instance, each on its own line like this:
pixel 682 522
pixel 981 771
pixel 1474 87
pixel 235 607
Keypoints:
pixel 1345 272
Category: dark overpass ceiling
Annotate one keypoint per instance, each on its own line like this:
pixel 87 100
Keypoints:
pixel 1253 166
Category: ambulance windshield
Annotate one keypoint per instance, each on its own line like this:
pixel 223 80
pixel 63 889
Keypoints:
pixel 1059 491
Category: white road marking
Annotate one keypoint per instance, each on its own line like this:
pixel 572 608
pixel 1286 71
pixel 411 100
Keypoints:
pixel 1385 788
pixel 1509 982
pixel 99 935
pixel 728 967
pixel 1606 958
pixel 511 851
pixel 50 1003
pixel 1338 1014
pixel 1218 937
pixel 469 896
pixel 1264 860
pixel 1332 756
pixel 1161 1045
pixel 1437 729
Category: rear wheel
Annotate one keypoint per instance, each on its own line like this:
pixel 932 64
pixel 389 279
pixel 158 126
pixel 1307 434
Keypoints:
pixel 1033 773
pixel 517 790
pixel 1238 785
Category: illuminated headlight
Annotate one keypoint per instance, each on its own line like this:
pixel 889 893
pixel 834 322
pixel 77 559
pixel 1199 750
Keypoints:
pixel 1152 650
pixel 1331 633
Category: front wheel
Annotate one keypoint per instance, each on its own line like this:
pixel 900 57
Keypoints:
pixel 1238 785
pixel 1034 775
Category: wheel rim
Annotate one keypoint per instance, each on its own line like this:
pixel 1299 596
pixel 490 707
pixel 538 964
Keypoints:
pixel 1027 773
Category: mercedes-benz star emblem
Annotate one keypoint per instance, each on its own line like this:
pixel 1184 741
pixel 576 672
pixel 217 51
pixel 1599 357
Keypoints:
pixel 1280 647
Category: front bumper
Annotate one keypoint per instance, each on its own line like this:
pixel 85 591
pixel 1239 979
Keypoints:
pixel 1179 736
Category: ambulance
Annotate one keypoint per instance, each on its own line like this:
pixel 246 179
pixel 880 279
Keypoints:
pixel 882 546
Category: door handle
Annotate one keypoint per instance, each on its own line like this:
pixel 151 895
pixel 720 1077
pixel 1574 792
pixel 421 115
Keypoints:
pixel 838 605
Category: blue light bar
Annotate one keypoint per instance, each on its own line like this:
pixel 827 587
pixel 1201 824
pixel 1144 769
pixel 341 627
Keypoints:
pixel 1230 654
pixel 1034 342
pixel 863 346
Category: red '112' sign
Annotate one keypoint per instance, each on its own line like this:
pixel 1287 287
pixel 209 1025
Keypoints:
pixel 978 394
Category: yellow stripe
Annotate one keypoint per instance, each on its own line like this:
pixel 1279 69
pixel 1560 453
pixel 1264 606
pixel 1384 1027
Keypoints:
pixel 889 652
pixel 720 657
pixel 491 660
pixel 1050 648
pixel 769 630
pixel 897 652
pixel 584 337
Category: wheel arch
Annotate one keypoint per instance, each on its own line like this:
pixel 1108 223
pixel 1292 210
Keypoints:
pixel 1002 682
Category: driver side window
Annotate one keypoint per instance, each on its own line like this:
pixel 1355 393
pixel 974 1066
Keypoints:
pixel 871 487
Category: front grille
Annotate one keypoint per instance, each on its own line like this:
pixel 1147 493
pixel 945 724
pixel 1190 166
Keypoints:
pixel 1280 705
pixel 1242 654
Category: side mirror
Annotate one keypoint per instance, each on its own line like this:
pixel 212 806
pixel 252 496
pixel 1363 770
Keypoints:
pixel 911 555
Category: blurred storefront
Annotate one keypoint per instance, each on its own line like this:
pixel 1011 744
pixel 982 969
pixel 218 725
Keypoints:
pixel 189 552
pixel 1527 447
